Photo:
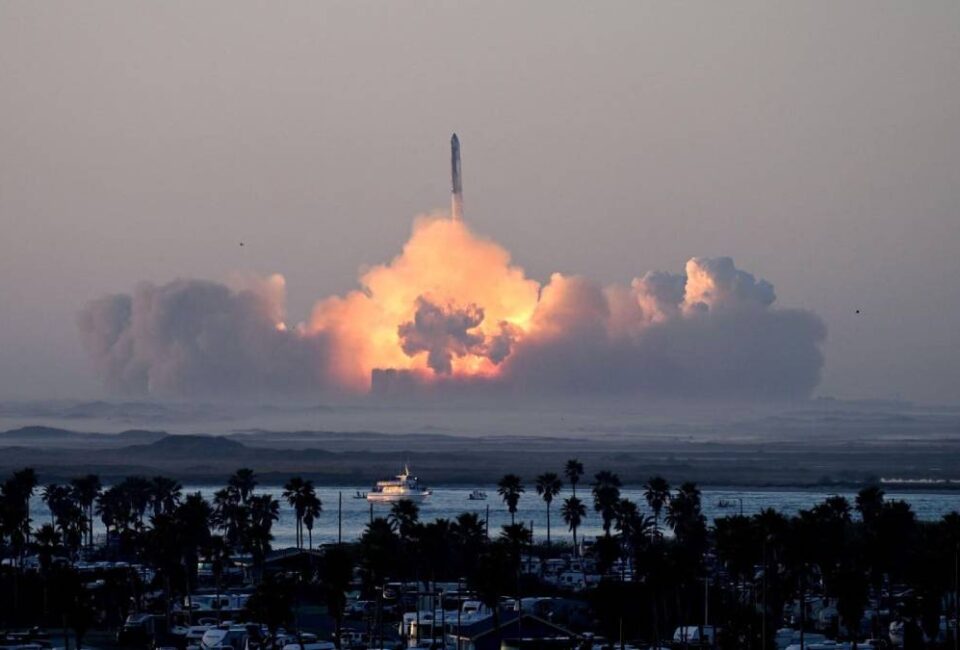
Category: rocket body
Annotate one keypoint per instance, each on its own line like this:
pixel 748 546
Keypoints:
pixel 456 200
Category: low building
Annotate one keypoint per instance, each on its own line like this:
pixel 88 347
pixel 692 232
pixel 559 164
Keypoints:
pixel 515 632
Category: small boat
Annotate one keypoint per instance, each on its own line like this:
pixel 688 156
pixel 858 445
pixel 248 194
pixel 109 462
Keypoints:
pixel 360 495
pixel 478 495
pixel 723 503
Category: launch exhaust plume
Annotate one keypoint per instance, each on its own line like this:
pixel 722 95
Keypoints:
pixel 452 311
pixel 456 200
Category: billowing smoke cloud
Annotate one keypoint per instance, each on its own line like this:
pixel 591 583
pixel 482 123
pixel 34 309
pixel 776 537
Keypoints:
pixel 451 312
pixel 191 337
pixel 442 333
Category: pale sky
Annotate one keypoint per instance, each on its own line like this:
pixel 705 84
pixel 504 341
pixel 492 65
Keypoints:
pixel 815 143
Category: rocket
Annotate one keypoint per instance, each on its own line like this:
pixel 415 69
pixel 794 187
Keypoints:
pixel 456 201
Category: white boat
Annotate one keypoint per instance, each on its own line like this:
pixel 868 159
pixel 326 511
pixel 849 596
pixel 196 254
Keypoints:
pixel 477 495
pixel 404 486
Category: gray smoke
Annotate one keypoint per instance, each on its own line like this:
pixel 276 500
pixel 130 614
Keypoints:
pixel 445 332
pixel 191 337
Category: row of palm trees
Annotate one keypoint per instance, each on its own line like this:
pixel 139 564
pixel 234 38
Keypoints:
pixel 307 506
pixel 135 507
pixel 614 511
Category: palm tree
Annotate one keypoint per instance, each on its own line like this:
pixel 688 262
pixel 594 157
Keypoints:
pixel 264 511
pixel 45 542
pixel 337 571
pixel 72 524
pixel 869 503
pixel 55 496
pixel 86 489
pixel 231 516
pixel 657 494
pixel 548 486
pixel 606 497
pixel 244 480
pixel 573 512
pixel 14 522
pixel 469 532
pixel 23 483
pixel 378 550
pixel 271 603
pixel 115 510
pixel 516 535
pixel 295 493
pixel 510 488
pixel 193 517
pixel 573 471
pixel 404 515
pixel 311 512
pixel 217 552
pixel 684 514
pixel 851 587
pixel 139 493
pixel 164 494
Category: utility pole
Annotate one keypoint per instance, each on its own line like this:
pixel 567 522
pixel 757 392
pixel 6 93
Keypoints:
pixel 763 622
pixel 443 622
pixel 459 609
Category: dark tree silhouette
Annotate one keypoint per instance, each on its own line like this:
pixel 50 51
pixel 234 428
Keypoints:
pixel 510 488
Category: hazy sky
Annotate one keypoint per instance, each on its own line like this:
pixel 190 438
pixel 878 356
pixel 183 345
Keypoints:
pixel 816 143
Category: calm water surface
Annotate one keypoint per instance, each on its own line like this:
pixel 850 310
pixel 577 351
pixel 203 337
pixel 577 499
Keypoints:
pixel 448 502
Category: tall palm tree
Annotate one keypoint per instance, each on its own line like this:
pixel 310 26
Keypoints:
pixel 336 570
pixel 264 511
pixel 139 493
pixel 657 493
pixel 217 552
pixel 573 470
pixel 72 524
pixel 45 543
pixel 573 512
pixel 23 483
pixel 684 513
pixel 311 512
pixel 606 497
pixel 86 489
pixel 55 496
pixel 510 488
pixel 164 494
pixel 548 486
pixel 231 516
pixel 244 480
pixel 115 509
pixel 192 518
pixel 294 491
pixel 469 533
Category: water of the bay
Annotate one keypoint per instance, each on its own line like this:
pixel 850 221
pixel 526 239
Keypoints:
pixel 449 501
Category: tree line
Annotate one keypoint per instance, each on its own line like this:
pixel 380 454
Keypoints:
pixel 663 564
